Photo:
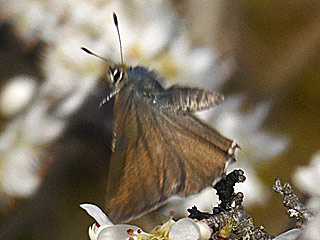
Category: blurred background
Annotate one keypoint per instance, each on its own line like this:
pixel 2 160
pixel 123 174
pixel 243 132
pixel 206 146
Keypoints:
pixel 55 141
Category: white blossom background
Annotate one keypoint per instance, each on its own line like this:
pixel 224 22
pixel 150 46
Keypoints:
pixel 264 57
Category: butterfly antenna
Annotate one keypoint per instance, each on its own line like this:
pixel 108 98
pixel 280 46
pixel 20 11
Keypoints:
pixel 93 54
pixel 115 20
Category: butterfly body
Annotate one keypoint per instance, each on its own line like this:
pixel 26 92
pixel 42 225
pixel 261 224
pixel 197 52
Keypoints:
pixel 144 84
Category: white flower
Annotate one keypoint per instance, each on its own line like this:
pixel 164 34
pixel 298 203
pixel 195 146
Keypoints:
pixel 245 128
pixel 312 230
pixel 105 228
pixel 34 19
pixel 16 94
pixel 98 215
pixel 185 64
pixel 20 166
pixel 188 229
pixel 144 34
pixel 290 235
pixel 71 74
pixel 183 229
pixel 307 179
pixel 20 149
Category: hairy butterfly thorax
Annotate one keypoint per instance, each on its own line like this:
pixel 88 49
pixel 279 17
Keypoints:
pixel 160 148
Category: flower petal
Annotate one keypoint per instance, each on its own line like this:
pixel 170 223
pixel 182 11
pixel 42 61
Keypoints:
pixel 96 213
pixel 116 232
pixel 289 235
pixel 205 231
pixel 184 229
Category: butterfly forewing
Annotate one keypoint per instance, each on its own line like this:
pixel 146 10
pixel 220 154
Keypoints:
pixel 158 153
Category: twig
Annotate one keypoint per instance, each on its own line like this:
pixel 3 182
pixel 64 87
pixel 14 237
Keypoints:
pixel 230 214
pixel 291 201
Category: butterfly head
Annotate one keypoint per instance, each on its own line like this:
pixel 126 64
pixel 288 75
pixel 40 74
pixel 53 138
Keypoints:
pixel 116 76
pixel 116 73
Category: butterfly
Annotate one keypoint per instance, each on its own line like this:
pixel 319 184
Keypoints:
pixel 159 148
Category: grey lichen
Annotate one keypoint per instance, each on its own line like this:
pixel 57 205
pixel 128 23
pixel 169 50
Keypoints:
pixel 296 209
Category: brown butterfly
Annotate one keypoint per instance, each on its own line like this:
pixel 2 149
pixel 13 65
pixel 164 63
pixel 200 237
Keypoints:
pixel 160 148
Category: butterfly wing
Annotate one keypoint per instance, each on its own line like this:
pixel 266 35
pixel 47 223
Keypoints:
pixel 159 153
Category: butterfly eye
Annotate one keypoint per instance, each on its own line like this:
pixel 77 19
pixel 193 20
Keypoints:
pixel 116 75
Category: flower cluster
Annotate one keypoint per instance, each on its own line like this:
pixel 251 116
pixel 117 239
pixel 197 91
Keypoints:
pixel 183 229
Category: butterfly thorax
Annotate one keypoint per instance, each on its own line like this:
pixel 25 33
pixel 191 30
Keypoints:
pixel 143 81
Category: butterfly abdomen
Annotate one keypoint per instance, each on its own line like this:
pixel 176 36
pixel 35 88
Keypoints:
pixel 188 99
